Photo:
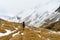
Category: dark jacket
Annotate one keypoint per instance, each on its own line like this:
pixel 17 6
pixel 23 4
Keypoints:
pixel 23 24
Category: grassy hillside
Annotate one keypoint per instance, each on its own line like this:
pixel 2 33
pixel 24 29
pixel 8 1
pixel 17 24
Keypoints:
pixel 54 26
pixel 29 33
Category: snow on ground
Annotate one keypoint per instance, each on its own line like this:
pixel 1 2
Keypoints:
pixel 4 34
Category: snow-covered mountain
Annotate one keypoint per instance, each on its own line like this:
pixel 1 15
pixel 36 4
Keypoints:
pixel 36 16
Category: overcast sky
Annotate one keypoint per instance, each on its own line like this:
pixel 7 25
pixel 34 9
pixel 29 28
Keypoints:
pixel 13 7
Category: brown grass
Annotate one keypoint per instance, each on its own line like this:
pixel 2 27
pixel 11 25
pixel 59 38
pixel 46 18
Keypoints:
pixel 30 33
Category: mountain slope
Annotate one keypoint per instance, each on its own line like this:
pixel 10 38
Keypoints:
pixel 36 16
pixel 29 33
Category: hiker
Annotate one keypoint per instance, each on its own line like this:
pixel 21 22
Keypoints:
pixel 23 25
